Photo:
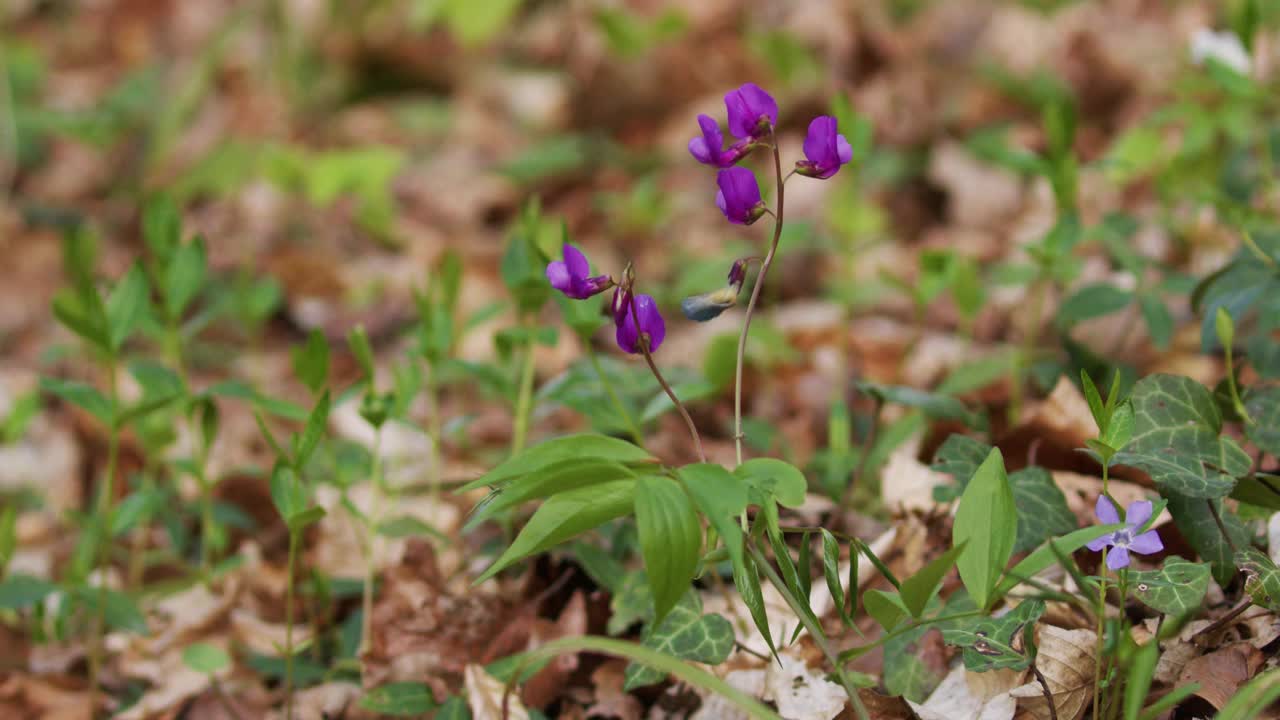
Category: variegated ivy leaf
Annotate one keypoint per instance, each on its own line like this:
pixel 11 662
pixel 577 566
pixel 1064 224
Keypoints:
pixel 1194 519
pixel 687 634
pixel 1175 589
pixel 1176 439
pixel 1261 578
pixel 993 643
pixel 1263 406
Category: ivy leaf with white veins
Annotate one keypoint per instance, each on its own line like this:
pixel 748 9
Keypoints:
pixel 1195 521
pixel 1262 578
pixel 1176 439
pixel 1175 589
pixel 1042 508
pixel 1263 406
pixel 992 643
pixel 687 634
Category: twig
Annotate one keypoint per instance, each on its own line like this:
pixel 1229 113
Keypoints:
pixel 1223 621
pixel 755 297
pixel 1048 696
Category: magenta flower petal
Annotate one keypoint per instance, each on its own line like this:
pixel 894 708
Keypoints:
pixel 739 196
pixel 1106 511
pixel 1147 543
pixel 706 149
pixel 576 262
pixel 825 150
pixel 651 323
pixel 571 276
pixel 752 111
pixel 558 276
pixel 1118 558
pixel 1137 514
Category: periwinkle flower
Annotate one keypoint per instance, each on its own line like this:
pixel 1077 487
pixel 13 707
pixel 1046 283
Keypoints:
pixel 708 149
pixel 825 149
pixel 739 196
pixel 571 276
pixel 627 311
pixel 1127 539
pixel 752 112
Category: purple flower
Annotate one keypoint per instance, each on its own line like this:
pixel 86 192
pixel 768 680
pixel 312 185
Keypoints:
pixel 1123 541
pixel 572 275
pixel 739 196
pixel 708 148
pixel 651 323
pixel 825 149
pixel 752 113
pixel 704 307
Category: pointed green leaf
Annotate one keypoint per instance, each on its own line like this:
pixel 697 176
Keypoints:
pixel 184 277
pixel 1176 589
pixel 887 608
pixel 686 634
pixel 311 361
pixel 547 481
pixel 400 699
pixel 563 448
pixel 986 523
pixel 81 395
pixel 670 539
pixel 919 588
pixel 126 306
pixel 1261 578
pixel 831 572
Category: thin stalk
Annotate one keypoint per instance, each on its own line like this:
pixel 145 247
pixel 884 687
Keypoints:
pixel 524 402
pixel 294 536
pixel 8 134
pixel 106 505
pixel 755 297
pixel 636 436
pixel 643 343
pixel 819 638
pixel 868 443
pixel 137 548
pixel 366 604
pixel 1048 696
pixel 1217 519
pixel 206 512
pixel 1233 389
pixel 1102 621
pixel 1029 335
pixel 435 427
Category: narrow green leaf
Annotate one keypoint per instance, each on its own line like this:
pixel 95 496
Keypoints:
pixel 205 658
pixel 311 361
pixel 670 539
pixel 831 572
pixel 184 277
pixel 986 523
pixel 549 480
pixel 358 341
pixel 82 395
pixel 126 306
pixel 18 591
pixel 400 699
pixel 919 588
pixel 1141 670
pixel 564 448
pixel 313 431
pixel 747 579
pixel 887 608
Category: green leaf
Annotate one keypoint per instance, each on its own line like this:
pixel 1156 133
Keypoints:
pixel 1141 670
pixel 287 493
pixel 87 322
pixel 8 536
pixel 986 523
pixel 831 573
pixel 770 479
pixel 475 23
pixel 569 447
pixel 161 226
pixel 919 588
pixel 565 515
pixel 1042 508
pixel 122 613
pixel 1261 578
pixel 312 432
pixel 1120 428
pixel 126 306
pixel 1225 326
pixel 358 341
pixel 1263 406
pixel 887 608
pixel 1176 589
pixel 311 361
pixel 18 591
pixel 184 277
pixel 549 480
pixel 935 405
pixel 1159 321
pixel 302 518
pixel 1101 414
pixel 455 708
pixel 1092 301
pixel 686 634
pixel 1194 519
pixel 82 395
pixel 399 699
pixel 205 658
pixel 1044 555
pixel 746 577
pixel 959 456
pixel 670 539
pixel 1176 439
pixel 631 603
pixel 910 669
pixel 995 643
pixel 1260 489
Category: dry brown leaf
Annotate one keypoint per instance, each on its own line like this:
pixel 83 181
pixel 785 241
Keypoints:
pixel 45 698
pixel 965 695
pixel 485 693
pixel 548 684
pixel 801 692
pixel 330 700
pixel 907 484
pixel 1222 672
pixel 1066 659
pixel 610 700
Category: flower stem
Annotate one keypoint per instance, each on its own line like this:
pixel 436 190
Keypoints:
pixel 435 428
pixel 755 296
pixel 868 443
pixel 524 402
pixel 106 505
pixel 294 536
pixel 1217 519
pixel 632 428
pixel 1022 362
pixel 1102 619
pixel 371 539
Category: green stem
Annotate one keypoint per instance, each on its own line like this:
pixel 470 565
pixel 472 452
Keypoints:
pixel 294 536
pixel 819 638
pixel 868 443
pixel 524 402
pixel 1231 386
pixel 436 428
pixel 1022 364
pixel 1102 620
pixel 206 512
pixel 366 619
pixel 636 436
pixel 106 506
pixel 755 297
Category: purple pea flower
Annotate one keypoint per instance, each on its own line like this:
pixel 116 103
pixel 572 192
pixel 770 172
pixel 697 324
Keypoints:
pixel 739 196
pixel 752 112
pixel 651 323
pixel 572 275
pixel 1126 540
pixel 708 148
pixel 825 149
pixel 704 307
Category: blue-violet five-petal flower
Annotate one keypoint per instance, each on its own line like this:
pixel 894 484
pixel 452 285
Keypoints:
pixel 1128 539
pixel 572 276
pixel 825 149
pixel 739 196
